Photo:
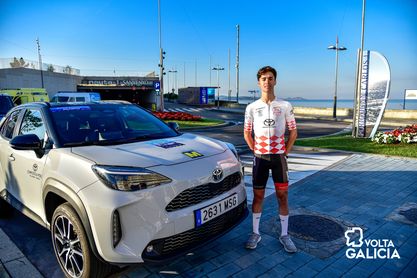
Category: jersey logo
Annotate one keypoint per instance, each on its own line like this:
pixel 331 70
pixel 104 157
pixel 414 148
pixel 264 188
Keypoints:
pixel 276 111
pixel 269 122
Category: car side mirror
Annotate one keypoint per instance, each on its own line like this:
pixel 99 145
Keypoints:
pixel 28 142
pixel 174 125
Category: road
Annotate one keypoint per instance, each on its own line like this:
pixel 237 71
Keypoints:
pixel 35 242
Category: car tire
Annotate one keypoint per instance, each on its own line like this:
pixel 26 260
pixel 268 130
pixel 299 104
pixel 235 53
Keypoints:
pixel 6 210
pixel 71 245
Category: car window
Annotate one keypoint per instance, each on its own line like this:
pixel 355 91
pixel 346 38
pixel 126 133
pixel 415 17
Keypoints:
pixel 9 124
pixel 106 124
pixel 33 123
pixel 80 99
pixel 6 104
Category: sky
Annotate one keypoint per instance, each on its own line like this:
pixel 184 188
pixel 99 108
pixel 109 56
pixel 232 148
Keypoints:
pixel 117 37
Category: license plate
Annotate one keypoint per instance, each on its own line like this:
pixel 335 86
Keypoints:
pixel 212 211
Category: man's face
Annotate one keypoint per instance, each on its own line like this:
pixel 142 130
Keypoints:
pixel 267 82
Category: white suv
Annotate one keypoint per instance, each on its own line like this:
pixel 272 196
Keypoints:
pixel 115 185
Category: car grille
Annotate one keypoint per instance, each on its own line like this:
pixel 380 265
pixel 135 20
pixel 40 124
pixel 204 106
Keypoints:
pixel 203 192
pixel 170 247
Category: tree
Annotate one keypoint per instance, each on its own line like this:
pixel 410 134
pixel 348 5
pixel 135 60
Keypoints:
pixel 51 68
pixel 68 69
pixel 18 63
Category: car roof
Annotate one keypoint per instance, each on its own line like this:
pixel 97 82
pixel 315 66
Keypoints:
pixel 69 104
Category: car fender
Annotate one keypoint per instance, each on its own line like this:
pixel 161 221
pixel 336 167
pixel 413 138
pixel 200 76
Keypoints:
pixel 66 193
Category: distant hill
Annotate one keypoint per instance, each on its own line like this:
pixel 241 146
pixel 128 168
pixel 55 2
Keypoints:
pixel 295 98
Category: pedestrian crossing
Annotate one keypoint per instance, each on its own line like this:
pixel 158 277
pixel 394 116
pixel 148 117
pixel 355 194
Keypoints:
pixel 300 166
pixel 188 109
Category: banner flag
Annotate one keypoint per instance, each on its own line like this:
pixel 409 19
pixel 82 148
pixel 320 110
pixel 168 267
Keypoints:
pixel 374 92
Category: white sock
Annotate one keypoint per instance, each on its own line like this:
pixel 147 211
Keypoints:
pixel 284 224
pixel 256 217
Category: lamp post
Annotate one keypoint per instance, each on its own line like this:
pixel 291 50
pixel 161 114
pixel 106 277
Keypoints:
pixel 253 92
pixel 174 86
pixel 161 60
pixel 218 68
pixel 40 61
pixel 337 48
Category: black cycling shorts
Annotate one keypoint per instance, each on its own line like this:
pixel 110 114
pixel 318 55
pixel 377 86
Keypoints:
pixel 260 171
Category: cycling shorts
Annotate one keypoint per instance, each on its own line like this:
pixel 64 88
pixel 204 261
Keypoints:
pixel 279 168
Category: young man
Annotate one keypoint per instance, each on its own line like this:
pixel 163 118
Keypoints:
pixel 267 118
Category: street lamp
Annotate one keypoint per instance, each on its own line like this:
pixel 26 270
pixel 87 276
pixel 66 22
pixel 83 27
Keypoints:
pixel 337 48
pixel 218 68
pixel 253 92
pixel 174 86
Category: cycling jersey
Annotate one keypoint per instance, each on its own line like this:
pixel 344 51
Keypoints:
pixel 268 122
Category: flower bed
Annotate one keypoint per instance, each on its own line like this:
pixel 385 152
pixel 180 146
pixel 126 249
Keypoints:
pixel 407 135
pixel 176 116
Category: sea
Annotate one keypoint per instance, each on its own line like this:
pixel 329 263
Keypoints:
pixel 393 104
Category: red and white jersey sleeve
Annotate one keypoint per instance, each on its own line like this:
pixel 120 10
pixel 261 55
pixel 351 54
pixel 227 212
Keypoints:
pixel 268 123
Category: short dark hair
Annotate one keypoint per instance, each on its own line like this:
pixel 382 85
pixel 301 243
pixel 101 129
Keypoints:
pixel 266 69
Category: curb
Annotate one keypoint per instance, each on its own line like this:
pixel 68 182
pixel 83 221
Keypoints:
pixel 13 263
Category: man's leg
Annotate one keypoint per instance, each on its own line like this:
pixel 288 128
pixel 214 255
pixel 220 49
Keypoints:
pixel 280 176
pixel 260 174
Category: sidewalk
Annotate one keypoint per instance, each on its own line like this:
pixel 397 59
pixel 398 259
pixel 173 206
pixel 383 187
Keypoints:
pixel 375 193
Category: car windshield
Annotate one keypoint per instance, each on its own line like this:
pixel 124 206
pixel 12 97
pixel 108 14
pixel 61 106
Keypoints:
pixel 106 124
pixel 5 105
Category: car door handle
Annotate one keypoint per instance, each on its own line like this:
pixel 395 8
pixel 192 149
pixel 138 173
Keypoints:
pixel 11 158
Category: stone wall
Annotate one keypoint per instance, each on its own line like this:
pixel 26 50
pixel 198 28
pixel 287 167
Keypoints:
pixel 31 78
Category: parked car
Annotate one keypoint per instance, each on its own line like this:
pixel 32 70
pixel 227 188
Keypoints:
pixel 115 185
pixel 6 103
pixel 76 97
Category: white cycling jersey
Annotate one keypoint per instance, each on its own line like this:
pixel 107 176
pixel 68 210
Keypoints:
pixel 268 122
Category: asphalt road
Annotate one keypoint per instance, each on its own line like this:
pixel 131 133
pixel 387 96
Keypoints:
pixel 35 242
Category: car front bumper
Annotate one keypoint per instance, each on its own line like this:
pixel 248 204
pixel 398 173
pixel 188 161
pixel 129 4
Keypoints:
pixel 145 220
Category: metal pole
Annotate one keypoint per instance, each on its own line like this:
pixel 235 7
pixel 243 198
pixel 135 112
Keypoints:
pixel 355 124
pixel 40 61
pixel 195 74
pixel 237 63
pixel 218 88
pixel 161 59
pixel 404 99
pixel 335 85
pixel 228 89
pixel 210 71
pixel 184 74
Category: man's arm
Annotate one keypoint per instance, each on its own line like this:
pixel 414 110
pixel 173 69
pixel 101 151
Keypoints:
pixel 291 140
pixel 248 138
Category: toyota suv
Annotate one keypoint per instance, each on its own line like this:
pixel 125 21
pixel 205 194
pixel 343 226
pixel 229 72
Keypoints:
pixel 115 185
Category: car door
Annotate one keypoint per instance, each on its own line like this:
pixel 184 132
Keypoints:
pixel 26 167
pixel 7 184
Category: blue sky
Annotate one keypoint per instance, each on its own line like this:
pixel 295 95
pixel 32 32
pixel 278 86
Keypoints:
pixel 100 37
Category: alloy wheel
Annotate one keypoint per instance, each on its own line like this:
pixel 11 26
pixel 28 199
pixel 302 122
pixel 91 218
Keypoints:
pixel 68 247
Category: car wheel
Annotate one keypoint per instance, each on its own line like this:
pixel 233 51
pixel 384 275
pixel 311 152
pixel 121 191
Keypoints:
pixel 71 245
pixel 6 210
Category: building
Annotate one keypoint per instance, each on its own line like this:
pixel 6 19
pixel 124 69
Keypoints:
pixel 141 90
pixel 197 95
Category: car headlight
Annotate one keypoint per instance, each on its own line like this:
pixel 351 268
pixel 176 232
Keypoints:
pixel 233 149
pixel 128 178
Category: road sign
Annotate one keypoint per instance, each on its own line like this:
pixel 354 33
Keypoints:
pixel 156 85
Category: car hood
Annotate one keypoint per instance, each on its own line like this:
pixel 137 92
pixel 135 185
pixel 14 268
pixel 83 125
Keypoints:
pixel 169 151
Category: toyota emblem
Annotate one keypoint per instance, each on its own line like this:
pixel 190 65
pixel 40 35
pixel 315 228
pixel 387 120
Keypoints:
pixel 217 174
pixel 269 122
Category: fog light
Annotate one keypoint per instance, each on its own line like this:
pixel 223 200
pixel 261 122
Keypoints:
pixel 117 229
pixel 149 249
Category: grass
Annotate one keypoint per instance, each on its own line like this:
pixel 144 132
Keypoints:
pixel 348 143
pixel 205 122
